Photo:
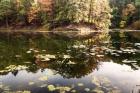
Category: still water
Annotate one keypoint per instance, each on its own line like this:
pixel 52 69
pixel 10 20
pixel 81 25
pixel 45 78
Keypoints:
pixel 44 64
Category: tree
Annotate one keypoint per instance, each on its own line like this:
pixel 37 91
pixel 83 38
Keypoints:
pixel 95 12
pixel 23 7
pixel 6 10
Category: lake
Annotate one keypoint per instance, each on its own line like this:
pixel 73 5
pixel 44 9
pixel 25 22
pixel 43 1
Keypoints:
pixel 48 64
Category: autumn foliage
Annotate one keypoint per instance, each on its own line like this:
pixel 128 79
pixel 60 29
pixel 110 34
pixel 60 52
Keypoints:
pixel 29 12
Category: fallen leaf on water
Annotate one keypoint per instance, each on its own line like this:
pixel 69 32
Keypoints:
pixel 66 56
pixel 26 91
pixel 1 85
pixel 31 83
pixel 51 88
pixel 63 88
pixel 96 81
pixel 44 78
pixel 28 52
pixel 42 86
pixel 100 55
pixel 97 90
pixel 73 91
pixel 18 56
pixel 80 84
pixel 87 89
pixel 114 91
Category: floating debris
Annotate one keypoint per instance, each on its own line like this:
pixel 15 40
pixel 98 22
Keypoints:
pixel 96 81
pixel 114 91
pixel 71 63
pixel 25 91
pixel 92 54
pixel 73 91
pixel 43 50
pixel 13 68
pixel 92 50
pixel 46 57
pixel 63 89
pixel 129 61
pixel 80 84
pixel 75 46
pixel 114 54
pixel 36 51
pixel 50 56
pixel 97 90
pixel 136 66
pixel 137 44
pixel 66 56
pixel 18 56
pixel 28 52
pixel 42 86
pixel 87 89
pixel 44 78
pixel 31 83
pixel 51 88
pixel 100 56
pixel 82 46
pixel 27 62
pixel 105 81
pixel 79 46
pixel 129 51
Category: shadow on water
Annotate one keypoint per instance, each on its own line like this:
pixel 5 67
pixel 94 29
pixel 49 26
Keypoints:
pixel 71 61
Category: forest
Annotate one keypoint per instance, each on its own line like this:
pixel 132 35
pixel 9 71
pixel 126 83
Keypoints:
pixel 50 14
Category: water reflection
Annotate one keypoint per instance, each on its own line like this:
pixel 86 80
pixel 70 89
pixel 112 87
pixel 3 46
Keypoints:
pixel 68 62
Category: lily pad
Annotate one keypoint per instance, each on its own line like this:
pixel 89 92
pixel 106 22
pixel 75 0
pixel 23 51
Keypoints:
pixel 87 89
pixel 66 56
pixel 51 88
pixel 80 84
pixel 42 86
pixel 96 81
pixel 97 90
pixel 31 83
pixel 44 78
pixel 73 91
pixel 129 61
pixel 28 52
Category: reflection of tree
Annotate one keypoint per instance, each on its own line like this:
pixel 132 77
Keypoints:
pixel 118 60
pixel 76 70
pixel 122 40
pixel 83 63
